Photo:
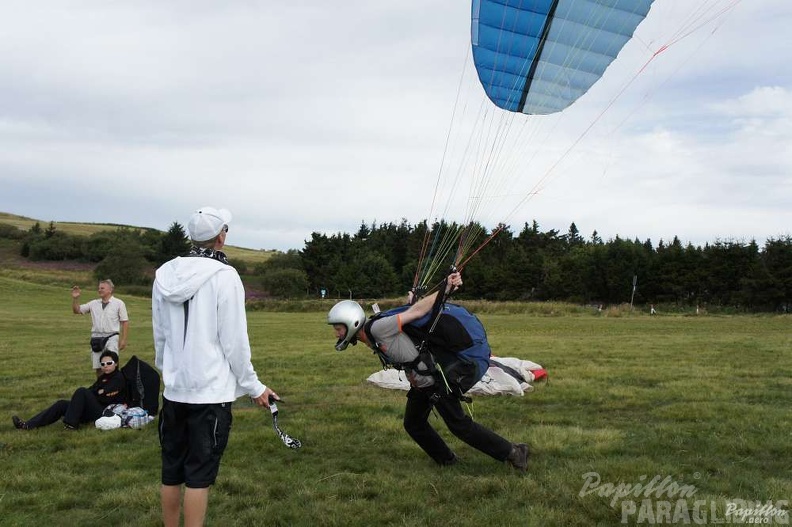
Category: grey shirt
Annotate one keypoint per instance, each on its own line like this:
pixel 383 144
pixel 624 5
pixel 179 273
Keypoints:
pixel 398 348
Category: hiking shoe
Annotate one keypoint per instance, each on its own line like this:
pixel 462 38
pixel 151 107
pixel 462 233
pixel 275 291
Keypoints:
pixel 19 424
pixel 67 426
pixel 518 457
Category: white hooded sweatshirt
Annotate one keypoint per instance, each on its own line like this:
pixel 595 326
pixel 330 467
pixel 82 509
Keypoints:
pixel 200 332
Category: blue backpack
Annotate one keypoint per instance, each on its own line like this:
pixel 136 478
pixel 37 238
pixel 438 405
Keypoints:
pixel 458 343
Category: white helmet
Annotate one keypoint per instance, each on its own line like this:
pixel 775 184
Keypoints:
pixel 349 314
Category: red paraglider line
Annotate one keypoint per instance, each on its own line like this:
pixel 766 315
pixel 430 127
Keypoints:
pixel 480 247
pixel 586 131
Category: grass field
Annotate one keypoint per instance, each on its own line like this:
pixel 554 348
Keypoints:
pixel 703 401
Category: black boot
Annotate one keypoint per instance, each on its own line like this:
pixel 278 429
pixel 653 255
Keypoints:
pixel 19 424
pixel 518 458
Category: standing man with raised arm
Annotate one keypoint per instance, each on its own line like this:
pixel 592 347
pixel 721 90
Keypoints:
pixel 202 349
pixel 109 321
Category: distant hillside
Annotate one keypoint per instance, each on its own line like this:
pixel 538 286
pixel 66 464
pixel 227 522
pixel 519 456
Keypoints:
pixel 251 256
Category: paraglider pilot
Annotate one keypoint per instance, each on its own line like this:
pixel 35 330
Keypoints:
pixel 428 388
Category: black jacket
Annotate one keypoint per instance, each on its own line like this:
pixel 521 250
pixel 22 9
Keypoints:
pixel 110 388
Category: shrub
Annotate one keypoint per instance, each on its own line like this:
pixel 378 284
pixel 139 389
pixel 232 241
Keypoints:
pixel 10 232
pixel 285 283
pixel 57 246
pixel 124 264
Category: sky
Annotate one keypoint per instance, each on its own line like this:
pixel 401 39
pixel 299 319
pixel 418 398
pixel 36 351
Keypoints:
pixel 312 116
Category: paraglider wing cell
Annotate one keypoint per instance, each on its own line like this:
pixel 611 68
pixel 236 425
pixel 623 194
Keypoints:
pixel 539 56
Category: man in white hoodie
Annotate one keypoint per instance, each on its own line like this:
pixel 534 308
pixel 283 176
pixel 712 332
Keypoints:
pixel 203 352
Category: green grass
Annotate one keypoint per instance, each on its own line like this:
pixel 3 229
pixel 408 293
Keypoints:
pixel 704 400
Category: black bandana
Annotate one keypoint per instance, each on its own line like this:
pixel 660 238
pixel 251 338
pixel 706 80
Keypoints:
pixel 208 253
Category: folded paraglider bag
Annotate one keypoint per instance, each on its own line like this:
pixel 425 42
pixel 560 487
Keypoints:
pixel 143 383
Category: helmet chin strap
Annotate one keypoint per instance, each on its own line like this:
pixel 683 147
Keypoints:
pixel 340 346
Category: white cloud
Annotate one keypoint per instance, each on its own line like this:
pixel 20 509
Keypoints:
pixel 308 116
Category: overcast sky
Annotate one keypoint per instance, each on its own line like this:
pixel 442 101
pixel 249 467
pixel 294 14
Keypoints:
pixel 308 116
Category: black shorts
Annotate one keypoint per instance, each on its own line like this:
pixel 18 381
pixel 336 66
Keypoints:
pixel 193 438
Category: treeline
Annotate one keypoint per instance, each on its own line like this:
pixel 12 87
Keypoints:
pixel 380 261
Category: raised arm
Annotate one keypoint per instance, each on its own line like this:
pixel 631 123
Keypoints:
pixel 75 294
pixel 424 305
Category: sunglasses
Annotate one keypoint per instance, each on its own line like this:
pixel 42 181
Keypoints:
pixel 225 228
pixel 108 363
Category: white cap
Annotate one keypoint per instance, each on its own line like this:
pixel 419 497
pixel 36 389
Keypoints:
pixel 207 222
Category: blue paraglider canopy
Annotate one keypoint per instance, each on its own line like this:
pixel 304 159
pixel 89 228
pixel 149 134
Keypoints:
pixel 539 56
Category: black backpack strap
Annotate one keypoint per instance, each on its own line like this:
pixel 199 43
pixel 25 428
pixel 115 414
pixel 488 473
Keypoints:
pixel 373 342
pixel 511 371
